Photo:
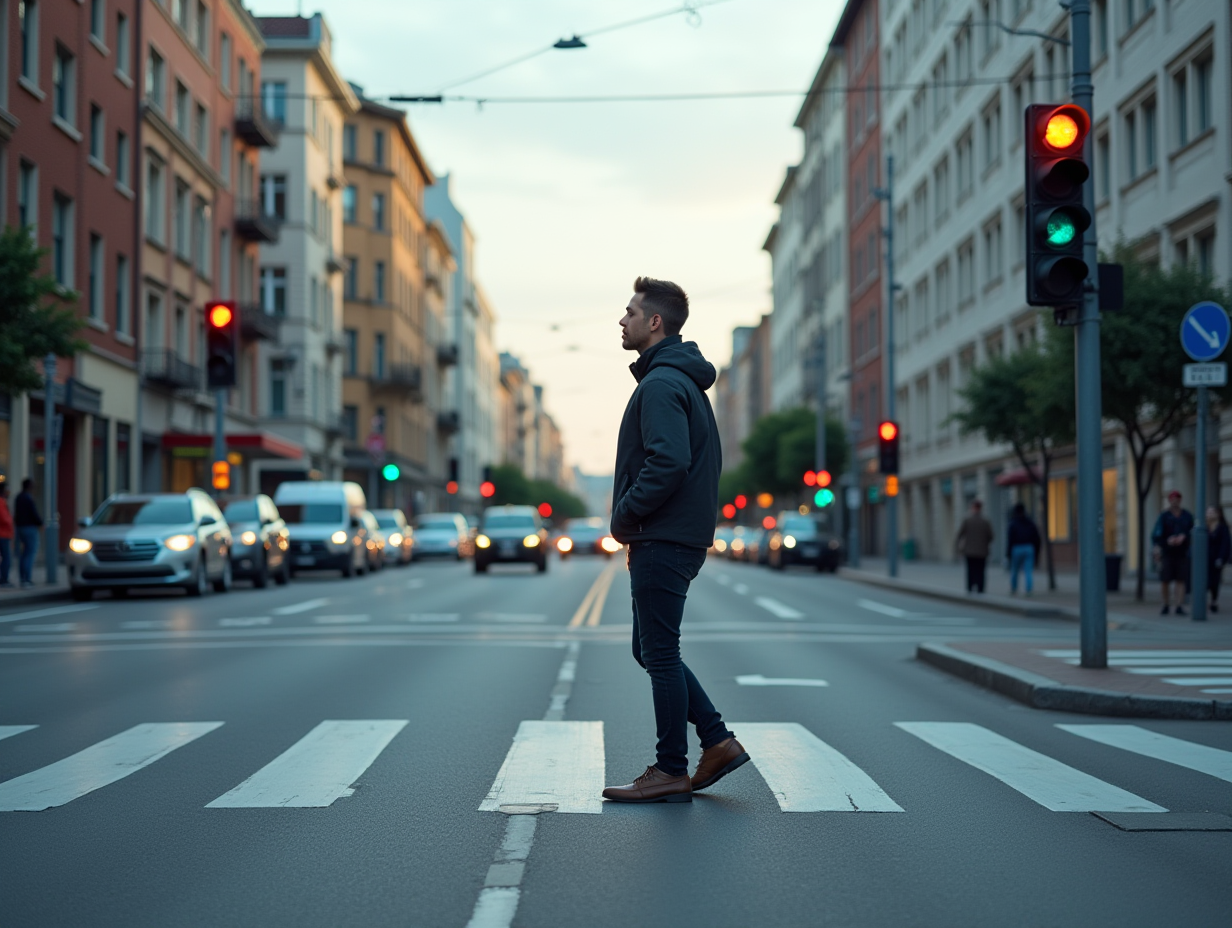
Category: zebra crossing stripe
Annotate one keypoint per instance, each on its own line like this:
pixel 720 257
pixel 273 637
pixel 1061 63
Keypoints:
pixel 1052 784
pixel 806 774
pixel 99 765
pixel 558 763
pixel 1148 743
pixel 317 769
pixel 8 731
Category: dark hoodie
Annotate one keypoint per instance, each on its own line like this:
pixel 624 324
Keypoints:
pixel 666 486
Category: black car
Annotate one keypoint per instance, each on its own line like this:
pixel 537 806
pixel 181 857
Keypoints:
pixel 511 535
pixel 586 536
pixel 259 540
pixel 801 539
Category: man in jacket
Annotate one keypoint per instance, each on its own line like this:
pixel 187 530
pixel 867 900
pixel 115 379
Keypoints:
pixel 6 536
pixel 1171 537
pixel 28 520
pixel 665 505
pixel 974 542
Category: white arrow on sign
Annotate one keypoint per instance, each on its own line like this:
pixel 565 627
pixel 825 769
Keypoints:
pixel 1210 338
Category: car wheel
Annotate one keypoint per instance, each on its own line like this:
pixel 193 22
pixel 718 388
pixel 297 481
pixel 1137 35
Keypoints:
pixel 223 583
pixel 283 577
pixel 197 585
pixel 349 570
pixel 261 578
pixel 119 592
pixel 543 565
pixel 83 594
pixel 480 567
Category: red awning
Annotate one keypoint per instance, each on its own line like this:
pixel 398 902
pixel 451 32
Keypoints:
pixel 255 444
pixel 1013 478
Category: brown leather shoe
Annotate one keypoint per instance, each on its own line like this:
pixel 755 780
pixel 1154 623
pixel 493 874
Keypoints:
pixel 652 786
pixel 718 761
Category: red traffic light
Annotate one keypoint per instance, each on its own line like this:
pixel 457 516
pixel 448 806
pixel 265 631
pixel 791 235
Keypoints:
pixel 810 479
pixel 451 487
pixel 823 478
pixel 1063 129
pixel 487 489
pixel 220 315
pixel 741 501
pixel 545 509
pixel 887 431
pixel 768 523
pixel 221 475
pixel 729 511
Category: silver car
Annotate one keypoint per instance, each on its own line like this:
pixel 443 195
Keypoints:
pixel 442 534
pixel 399 536
pixel 151 540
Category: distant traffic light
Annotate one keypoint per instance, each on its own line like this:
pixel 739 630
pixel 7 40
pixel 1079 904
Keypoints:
pixel 810 478
pixel 823 478
pixel 451 487
pixel 765 500
pixel 453 470
pixel 729 511
pixel 487 488
pixel 741 501
pixel 391 472
pixel 892 485
pixel 887 436
pixel 768 523
pixel 221 475
pixel 545 510
pixel 823 498
pixel 221 344
pixel 1055 214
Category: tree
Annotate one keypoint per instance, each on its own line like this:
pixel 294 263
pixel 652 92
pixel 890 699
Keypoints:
pixel 1140 365
pixel 36 317
pixel 1024 400
pixel 513 488
pixel 782 446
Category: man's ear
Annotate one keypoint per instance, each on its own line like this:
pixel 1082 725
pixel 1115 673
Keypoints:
pixel 656 322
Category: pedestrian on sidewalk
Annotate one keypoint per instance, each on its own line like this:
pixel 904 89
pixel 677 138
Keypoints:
pixel 1022 545
pixel 974 541
pixel 1171 536
pixel 666 501
pixel 6 537
pixel 1218 550
pixel 28 520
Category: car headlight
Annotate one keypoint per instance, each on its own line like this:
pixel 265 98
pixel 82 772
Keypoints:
pixel 248 538
pixel 564 545
pixel 79 545
pixel 789 541
pixel 531 541
pixel 395 539
pixel 610 544
pixel 180 542
pixel 720 545
pixel 737 545
pixel 339 537
pixel 482 541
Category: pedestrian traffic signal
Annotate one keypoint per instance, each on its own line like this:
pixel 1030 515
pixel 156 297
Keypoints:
pixel 887 436
pixel 390 472
pixel 221 344
pixel 823 498
pixel 892 485
pixel 1055 214
pixel 823 478
pixel 221 475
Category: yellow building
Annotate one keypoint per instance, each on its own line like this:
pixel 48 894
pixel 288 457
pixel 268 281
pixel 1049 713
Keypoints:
pixel 392 313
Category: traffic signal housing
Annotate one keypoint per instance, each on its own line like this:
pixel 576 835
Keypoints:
pixel 1055 215
pixel 220 475
pixel 887 438
pixel 222 343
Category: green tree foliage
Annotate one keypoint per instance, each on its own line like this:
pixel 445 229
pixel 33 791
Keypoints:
pixel 513 488
pixel 1141 360
pixel 777 452
pixel 1024 400
pixel 36 316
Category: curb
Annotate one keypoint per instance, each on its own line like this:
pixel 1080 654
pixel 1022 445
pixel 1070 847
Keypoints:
pixel 25 597
pixel 1040 692
pixel 1002 603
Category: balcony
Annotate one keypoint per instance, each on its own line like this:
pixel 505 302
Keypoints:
pixel 334 344
pixel 334 180
pixel 333 263
pixel 403 378
pixel 256 323
pixel 165 368
pixel 448 422
pixel 253 223
pixel 446 355
pixel 253 126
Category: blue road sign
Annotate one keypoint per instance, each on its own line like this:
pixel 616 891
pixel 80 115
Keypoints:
pixel 1205 331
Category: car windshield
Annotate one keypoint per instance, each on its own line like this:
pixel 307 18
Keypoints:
pixel 242 510
pixel 509 521
pixel 387 522
pixel 309 513
pixel 174 510
pixel 437 522
pixel 799 525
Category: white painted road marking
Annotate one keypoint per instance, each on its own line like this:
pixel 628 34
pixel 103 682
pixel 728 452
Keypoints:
pixel 756 679
pixel 306 606
pixel 340 619
pixel 1198 681
pixel 245 621
pixel 432 617
pixel 39 613
pixel 415 584
pixel 8 731
pixel 317 769
pixel 140 624
pixel 1190 669
pixel 1148 743
pixel 1072 655
pixel 1049 782
pixel 874 606
pixel 560 763
pixel 740 589
pixel 778 608
pixel 99 765
pixel 724 579
pixel 511 617
pixel 58 627
pixel 806 774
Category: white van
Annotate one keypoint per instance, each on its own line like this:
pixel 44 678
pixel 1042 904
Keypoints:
pixel 326 529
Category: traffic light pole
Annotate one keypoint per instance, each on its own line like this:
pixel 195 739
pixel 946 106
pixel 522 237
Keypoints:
pixel 820 454
pixel 891 501
pixel 1092 595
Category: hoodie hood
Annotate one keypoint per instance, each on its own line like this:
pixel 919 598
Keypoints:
pixel 682 355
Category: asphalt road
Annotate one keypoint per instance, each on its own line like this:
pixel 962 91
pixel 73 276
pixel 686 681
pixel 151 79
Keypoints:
pixel 318 755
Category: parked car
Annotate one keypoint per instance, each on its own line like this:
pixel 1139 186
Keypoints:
pixel 442 534
pixel 511 534
pixel 735 547
pixel 399 536
pixel 801 539
pixel 585 536
pixel 259 540
pixel 326 531
pixel 754 542
pixel 722 540
pixel 374 540
pixel 151 540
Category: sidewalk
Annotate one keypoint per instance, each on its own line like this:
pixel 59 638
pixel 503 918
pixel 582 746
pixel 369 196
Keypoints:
pixel 40 592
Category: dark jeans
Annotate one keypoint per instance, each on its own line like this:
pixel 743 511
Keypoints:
pixel 6 558
pixel 660 573
pixel 28 536
pixel 975 573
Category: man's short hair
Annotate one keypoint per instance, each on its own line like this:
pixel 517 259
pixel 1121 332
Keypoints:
pixel 27 483
pixel 665 298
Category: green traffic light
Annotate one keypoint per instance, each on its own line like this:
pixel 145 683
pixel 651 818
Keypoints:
pixel 390 472
pixel 823 498
pixel 1061 229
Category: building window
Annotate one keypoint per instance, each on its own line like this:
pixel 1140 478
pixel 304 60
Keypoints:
pixel 123 45
pixel 124 457
pixel 224 61
pixel 348 142
pixel 155 211
pixel 94 296
pixel 123 296
pixel 98 19
pixel 156 80
pixel 274 195
pixel 1103 167
pixel 1099 17
pixel 350 199
pixel 966 273
pixel 378 212
pixel 62 85
pixel 1148 134
pixel 202 238
pixel 181 109
pixel 278 387
pixel 274 290
pixel 378 281
pixel 378 147
pixel 62 240
pixel 314 212
pixel 224 263
pixel 993 252
pixel 1202 87
pixel 378 356
pixel 224 155
pixel 350 282
pixel 98 132
pixel 1205 243
pixel 350 423
pixel 182 219
pixel 1180 89
pixel 992 135
pixel 203 29
pixel 27 197
pixel 1131 144
pixel 201 132
pixel 966 169
pixel 100 431
pixel 274 100
pixel 28 22
pixel 351 337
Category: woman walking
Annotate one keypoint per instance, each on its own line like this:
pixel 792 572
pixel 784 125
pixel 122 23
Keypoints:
pixel 1022 544
pixel 1218 550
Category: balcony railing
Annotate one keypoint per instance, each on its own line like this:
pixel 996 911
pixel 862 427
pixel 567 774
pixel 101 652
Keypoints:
pixel 446 355
pixel 256 323
pixel 448 422
pixel 406 378
pixel 253 126
pixel 253 223
pixel 166 368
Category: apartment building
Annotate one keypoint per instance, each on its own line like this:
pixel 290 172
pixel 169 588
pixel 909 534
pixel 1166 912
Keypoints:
pixel 300 278
pixel 68 155
pixel 529 437
pixel 744 388
pixel 1161 158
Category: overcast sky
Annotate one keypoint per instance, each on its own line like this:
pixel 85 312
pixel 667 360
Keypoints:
pixel 570 202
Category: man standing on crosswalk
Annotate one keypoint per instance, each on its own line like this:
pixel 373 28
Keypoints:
pixel 665 504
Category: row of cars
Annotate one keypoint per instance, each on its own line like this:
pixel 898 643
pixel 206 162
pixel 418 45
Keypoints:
pixel 796 538
pixel 516 534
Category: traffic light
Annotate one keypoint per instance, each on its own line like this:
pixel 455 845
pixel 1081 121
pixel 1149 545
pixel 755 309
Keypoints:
pixel 741 501
pixel 391 472
pixel 887 436
pixel 729 511
pixel 1055 214
pixel 221 475
pixel 892 485
pixel 545 510
pixel 487 489
pixel 823 498
pixel 451 486
pixel 810 479
pixel 823 478
pixel 222 329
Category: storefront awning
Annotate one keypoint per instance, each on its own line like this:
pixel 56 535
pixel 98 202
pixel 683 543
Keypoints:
pixel 1014 478
pixel 251 444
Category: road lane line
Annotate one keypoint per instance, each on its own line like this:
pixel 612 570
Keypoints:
pixel 8 731
pixel 39 613
pixel 1198 681
pixel 415 584
pixel 874 606
pixel 57 627
pixel 1148 743
pixel 740 589
pixel 580 616
pixel 1040 778
pixel 558 763
pixel 1116 656
pixel 779 609
pixel 806 774
pixel 142 624
pixel 99 765
pixel 515 617
pixel 340 619
pixel 432 617
pixel 596 608
pixel 295 608
pixel 756 679
pixel 245 621
pixel 317 769
pixel 1192 670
